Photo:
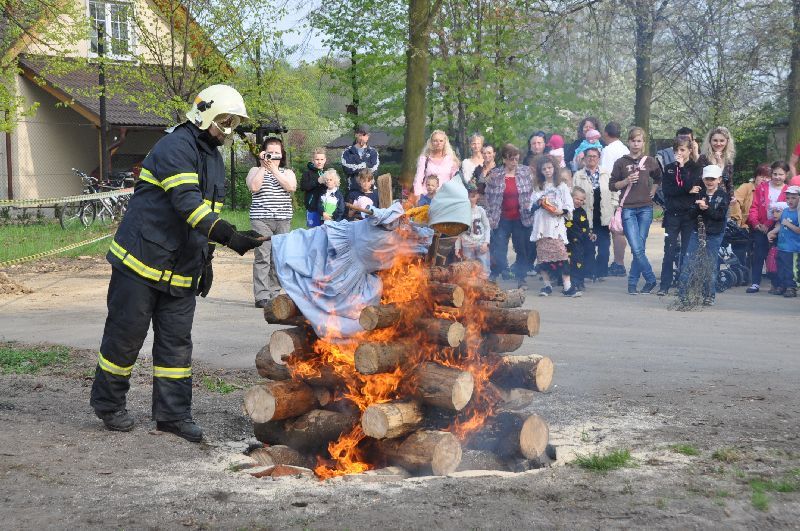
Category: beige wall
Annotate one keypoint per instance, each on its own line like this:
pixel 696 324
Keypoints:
pixel 48 144
pixel 148 19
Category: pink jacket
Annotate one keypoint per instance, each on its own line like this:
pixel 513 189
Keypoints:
pixel 443 168
pixel 759 209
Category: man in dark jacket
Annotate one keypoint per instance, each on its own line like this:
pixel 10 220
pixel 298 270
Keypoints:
pixel 161 258
pixel 680 184
pixel 314 186
pixel 359 156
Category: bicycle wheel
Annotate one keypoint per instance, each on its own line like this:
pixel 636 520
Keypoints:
pixel 87 213
pixel 104 214
pixel 69 216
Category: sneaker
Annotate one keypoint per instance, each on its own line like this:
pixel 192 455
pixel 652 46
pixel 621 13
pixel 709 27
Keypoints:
pixel 632 290
pixel 709 301
pixel 580 287
pixel 662 292
pixel 507 275
pixel 790 292
pixel 545 291
pixel 522 284
pixel 617 270
pixel 116 420
pixel 572 292
pixel 262 303
pixel 492 278
pixel 752 289
pixel 648 288
pixel 776 291
pixel 185 428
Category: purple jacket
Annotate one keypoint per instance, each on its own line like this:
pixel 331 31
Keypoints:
pixel 496 185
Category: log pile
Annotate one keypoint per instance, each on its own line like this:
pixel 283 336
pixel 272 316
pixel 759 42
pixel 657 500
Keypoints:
pixel 439 375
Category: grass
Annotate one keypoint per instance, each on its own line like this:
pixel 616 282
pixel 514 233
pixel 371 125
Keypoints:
pixel 218 385
pixel 760 487
pixel 726 455
pixel 28 360
pixel 685 449
pixel 760 500
pixel 20 241
pixel 604 463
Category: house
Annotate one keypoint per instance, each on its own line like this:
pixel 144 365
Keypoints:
pixel 37 157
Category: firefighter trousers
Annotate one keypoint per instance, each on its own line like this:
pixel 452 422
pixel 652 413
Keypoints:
pixel 132 306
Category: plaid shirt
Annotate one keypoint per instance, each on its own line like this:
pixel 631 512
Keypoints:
pixel 496 185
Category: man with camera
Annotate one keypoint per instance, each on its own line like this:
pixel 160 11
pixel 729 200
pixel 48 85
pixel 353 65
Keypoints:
pixel 359 156
pixel 161 259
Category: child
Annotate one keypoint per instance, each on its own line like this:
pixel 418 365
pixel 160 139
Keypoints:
pixel 431 185
pixel 331 203
pixel 591 140
pixel 580 239
pixel 313 183
pixel 710 210
pixel 556 145
pixel 787 232
pixel 549 227
pixel 474 244
pixel 365 197
pixel 565 176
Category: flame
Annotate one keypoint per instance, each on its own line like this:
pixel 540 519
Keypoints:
pixel 404 284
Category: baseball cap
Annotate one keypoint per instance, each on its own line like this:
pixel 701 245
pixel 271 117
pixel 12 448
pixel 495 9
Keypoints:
pixel 712 172
pixel 793 190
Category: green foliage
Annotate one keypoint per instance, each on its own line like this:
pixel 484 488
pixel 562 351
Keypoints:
pixel 603 463
pixel 753 135
pixel 28 360
pixel 218 385
pixel 21 240
pixel 760 500
pixel 685 449
pixel 726 455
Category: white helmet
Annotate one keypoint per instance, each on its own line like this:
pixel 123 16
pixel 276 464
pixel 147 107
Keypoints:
pixel 218 101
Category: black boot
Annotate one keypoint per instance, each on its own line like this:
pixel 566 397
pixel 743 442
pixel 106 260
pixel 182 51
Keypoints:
pixel 185 428
pixel 116 420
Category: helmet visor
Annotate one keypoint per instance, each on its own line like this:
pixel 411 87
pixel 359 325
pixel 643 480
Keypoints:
pixel 227 123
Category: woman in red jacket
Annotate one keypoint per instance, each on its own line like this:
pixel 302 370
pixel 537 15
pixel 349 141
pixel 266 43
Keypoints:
pixel 760 217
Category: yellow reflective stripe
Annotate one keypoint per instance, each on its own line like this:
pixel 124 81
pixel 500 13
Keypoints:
pixel 148 177
pixel 198 214
pixel 148 272
pixel 179 179
pixel 172 372
pixel 113 368
pixel 217 205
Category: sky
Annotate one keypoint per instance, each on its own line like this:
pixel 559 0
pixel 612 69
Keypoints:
pixel 309 41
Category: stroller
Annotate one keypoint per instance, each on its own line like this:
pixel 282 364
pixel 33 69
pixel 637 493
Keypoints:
pixel 732 272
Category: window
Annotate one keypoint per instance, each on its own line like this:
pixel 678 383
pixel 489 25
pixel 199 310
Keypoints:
pixel 115 19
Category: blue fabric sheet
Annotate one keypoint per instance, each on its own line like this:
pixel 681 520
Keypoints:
pixel 329 271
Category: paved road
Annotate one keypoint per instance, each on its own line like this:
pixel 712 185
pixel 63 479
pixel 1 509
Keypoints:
pixel 606 341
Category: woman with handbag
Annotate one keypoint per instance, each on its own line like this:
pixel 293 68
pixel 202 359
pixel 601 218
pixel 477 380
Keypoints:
pixel 760 218
pixel 636 176
pixel 437 158
pixel 554 206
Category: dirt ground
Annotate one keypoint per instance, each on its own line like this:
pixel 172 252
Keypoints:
pixel 629 374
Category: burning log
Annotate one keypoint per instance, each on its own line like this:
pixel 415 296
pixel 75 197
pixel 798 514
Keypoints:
pixel 373 358
pixel 283 307
pixel 308 433
pixel 391 419
pixel 296 342
pixel 446 294
pixel 322 376
pixel 532 371
pixel 511 434
pixel 383 316
pixel 267 368
pixel 465 269
pixel 444 387
pixel 278 401
pixel 511 321
pixel 441 331
pixel 423 451
pixel 279 455
pixel 496 343
pixel 324 396
pixel 480 460
pixel 514 299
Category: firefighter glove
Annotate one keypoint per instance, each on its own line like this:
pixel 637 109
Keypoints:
pixel 226 234
pixel 206 279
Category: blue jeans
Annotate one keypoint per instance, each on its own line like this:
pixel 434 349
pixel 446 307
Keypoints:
pixel 787 267
pixel 519 234
pixel 600 251
pixel 636 224
pixel 713 242
pixel 474 253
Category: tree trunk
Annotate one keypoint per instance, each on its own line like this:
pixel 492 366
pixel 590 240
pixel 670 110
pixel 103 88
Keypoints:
pixel 446 294
pixel 511 434
pixel 373 358
pixel 382 316
pixel 793 131
pixel 296 342
pixel 514 299
pixel 511 321
pixel 420 15
pixel 391 419
pixel 531 372
pixel 283 307
pixel 497 343
pixel 424 450
pixel 441 331
pixel 308 433
pixel 278 401
pixel 280 455
pixel 267 368
pixel 444 387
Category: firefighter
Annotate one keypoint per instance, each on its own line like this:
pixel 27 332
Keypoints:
pixel 161 258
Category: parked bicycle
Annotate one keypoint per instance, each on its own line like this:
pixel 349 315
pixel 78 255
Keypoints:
pixel 104 210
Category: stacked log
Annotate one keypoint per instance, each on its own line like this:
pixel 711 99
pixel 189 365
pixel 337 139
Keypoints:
pixel 458 327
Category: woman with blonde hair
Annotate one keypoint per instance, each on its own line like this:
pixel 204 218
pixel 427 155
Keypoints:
pixel 437 158
pixel 718 148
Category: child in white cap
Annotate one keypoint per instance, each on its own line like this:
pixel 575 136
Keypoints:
pixel 709 209
pixel 787 232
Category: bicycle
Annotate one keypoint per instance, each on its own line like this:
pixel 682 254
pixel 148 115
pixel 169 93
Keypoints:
pixel 105 210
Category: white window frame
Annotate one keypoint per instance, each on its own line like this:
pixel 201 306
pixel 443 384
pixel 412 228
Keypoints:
pixel 108 52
